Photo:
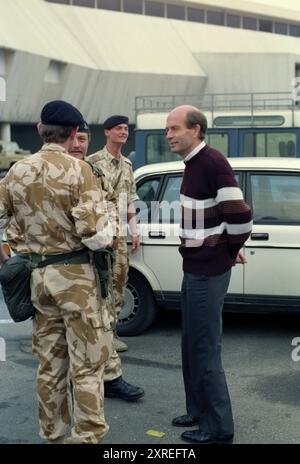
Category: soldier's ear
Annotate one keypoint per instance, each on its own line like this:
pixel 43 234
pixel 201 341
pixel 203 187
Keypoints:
pixel 39 128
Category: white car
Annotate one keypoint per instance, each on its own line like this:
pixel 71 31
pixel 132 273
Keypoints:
pixel 270 279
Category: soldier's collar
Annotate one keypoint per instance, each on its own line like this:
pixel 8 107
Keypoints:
pixel 112 157
pixel 53 147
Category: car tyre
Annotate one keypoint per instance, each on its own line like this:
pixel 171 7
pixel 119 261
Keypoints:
pixel 139 309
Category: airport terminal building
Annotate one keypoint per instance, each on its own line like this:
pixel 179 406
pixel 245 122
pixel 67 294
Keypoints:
pixel 102 54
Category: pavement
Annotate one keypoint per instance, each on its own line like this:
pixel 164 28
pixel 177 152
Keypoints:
pixel 263 380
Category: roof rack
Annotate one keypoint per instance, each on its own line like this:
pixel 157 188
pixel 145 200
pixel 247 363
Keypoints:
pixel 249 101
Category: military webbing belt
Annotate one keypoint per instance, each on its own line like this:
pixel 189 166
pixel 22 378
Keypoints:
pixel 74 257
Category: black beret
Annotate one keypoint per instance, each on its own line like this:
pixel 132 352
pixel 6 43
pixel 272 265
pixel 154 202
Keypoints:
pixel 113 121
pixel 61 113
pixel 83 127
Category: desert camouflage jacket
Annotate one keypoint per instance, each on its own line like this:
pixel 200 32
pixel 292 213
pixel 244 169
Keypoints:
pixel 118 173
pixel 51 203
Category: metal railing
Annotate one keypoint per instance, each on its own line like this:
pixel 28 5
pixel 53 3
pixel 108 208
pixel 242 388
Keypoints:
pixel 249 101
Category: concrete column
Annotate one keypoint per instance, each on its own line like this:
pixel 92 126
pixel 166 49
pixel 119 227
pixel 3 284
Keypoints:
pixel 5 132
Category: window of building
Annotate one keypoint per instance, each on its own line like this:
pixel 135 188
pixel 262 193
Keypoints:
pixel 233 20
pixel 65 2
pixel 281 28
pixel 265 25
pixel 133 6
pixel 154 8
pixel 2 63
pixel 54 72
pixel 2 89
pixel 295 30
pixel 195 14
pixel 87 3
pixel 114 5
pixel 175 12
pixel 249 23
pixel 215 17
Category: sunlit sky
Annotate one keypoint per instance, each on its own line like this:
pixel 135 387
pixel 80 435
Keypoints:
pixel 289 4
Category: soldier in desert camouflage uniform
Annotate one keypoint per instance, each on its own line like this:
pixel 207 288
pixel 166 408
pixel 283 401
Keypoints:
pixel 119 388
pixel 118 171
pixel 57 205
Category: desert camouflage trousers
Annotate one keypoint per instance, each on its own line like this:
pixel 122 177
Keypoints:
pixel 113 368
pixel 72 337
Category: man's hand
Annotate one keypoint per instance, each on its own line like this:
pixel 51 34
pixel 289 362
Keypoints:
pixel 135 244
pixel 240 259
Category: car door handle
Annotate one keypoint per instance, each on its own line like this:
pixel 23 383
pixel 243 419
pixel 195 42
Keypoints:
pixel 259 236
pixel 158 234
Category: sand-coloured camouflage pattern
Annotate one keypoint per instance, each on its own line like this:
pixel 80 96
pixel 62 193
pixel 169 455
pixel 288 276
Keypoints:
pixel 120 177
pixel 71 335
pixel 52 204
pixel 56 204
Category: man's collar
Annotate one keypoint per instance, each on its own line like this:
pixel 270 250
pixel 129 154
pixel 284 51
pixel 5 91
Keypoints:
pixel 53 147
pixel 110 156
pixel 195 151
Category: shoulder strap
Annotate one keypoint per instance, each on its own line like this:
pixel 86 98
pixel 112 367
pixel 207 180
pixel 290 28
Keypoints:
pixel 115 185
pixel 96 170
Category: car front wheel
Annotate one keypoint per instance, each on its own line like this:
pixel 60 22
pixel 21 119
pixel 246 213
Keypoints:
pixel 139 309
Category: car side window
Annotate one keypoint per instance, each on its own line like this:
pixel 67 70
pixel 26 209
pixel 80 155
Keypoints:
pixel 147 192
pixel 169 206
pixel 275 198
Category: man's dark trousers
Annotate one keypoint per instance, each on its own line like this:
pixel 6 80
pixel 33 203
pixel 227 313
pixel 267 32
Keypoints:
pixel 206 389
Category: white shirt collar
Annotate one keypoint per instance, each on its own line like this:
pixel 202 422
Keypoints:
pixel 195 151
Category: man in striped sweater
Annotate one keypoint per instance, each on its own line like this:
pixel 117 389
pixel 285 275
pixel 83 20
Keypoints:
pixel 216 222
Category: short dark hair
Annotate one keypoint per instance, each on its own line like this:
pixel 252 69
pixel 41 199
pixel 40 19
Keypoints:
pixel 55 134
pixel 195 117
pixel 87 133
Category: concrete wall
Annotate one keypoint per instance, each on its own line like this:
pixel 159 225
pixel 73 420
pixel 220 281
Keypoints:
pixel 105 61
pixel 107 58
pixel 248 72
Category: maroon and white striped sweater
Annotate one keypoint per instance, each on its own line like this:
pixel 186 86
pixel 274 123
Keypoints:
pixel 216 221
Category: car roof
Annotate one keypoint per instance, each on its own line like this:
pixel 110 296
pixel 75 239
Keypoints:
pixel 265 164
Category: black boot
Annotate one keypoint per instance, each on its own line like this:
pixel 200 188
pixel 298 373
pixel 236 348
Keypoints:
pixel 118 388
